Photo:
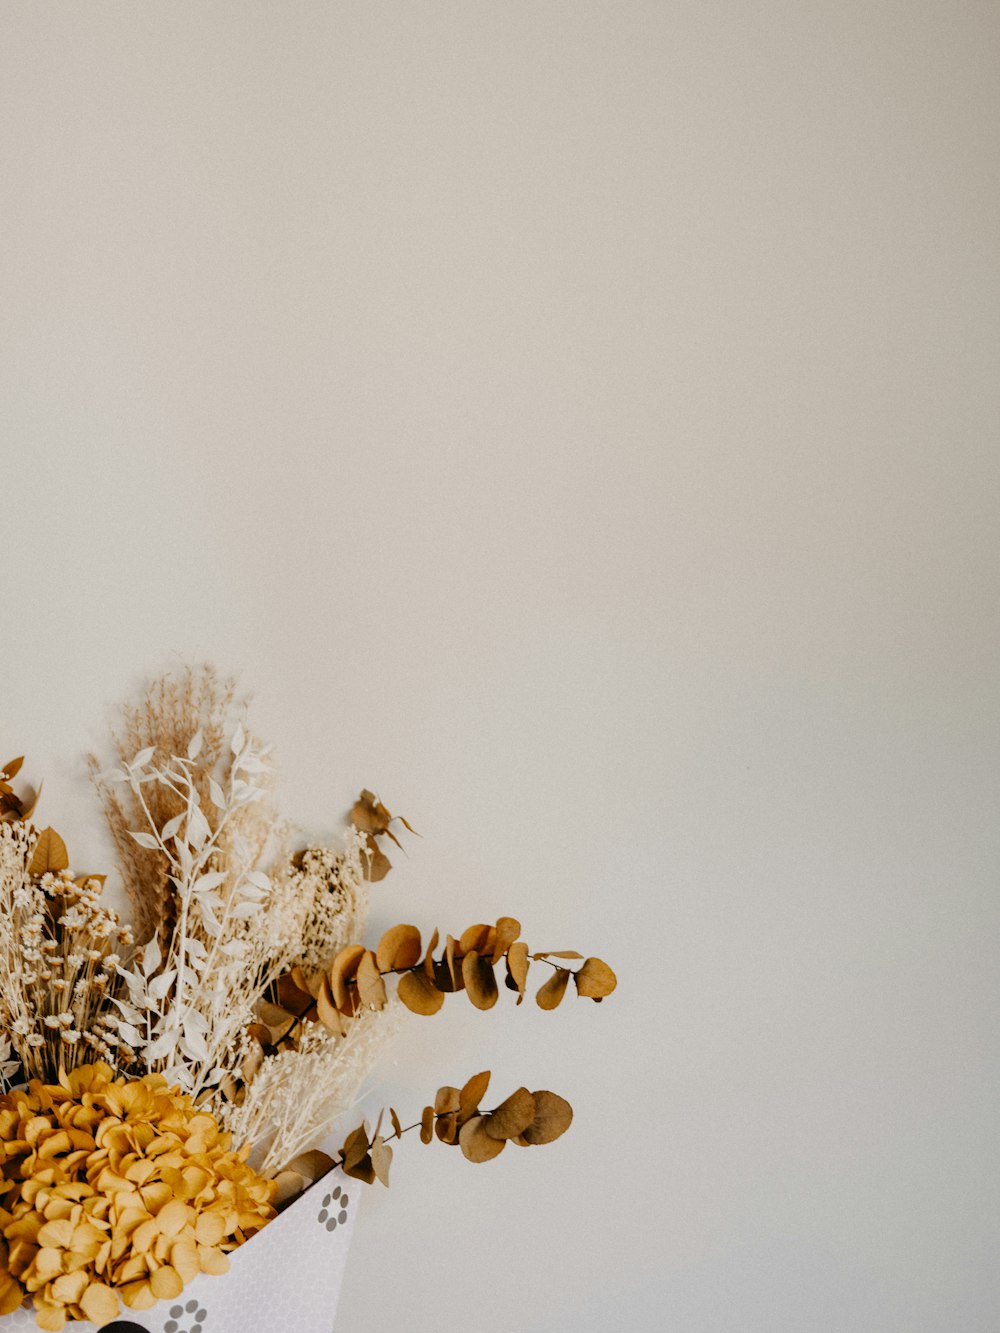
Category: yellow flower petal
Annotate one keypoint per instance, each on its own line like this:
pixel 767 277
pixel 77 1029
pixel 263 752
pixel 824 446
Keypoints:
pixel 212 1261
pixel 69 1288
pixel 166 1283
pixel 52 1318
pixel 138 1296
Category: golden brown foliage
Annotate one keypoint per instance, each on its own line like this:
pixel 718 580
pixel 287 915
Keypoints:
pixel 50 854
pixel 354 978
pixel 14 808
pixel 524 1118
pixel 370 817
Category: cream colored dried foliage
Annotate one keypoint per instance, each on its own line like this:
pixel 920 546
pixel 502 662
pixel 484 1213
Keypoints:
pixel 236 912
pixel 325 895
pixel 298 1094
pixel 175 707
pixel 60 956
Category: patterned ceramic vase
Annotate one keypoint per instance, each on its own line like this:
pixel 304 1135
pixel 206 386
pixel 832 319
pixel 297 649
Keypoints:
pixel 288 1276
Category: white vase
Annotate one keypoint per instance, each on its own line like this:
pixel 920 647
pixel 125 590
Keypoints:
pixel 288 1276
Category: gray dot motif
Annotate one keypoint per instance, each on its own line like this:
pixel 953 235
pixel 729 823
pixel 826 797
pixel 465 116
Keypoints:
pixel 189 1318
pixel 334 1210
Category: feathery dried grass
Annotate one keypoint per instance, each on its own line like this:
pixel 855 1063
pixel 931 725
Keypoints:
pixel 174 707
pixel 297 1096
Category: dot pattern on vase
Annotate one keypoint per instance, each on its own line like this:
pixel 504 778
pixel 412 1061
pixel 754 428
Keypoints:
pixel 333 1213
pixel 287 1277
pixel 189 1318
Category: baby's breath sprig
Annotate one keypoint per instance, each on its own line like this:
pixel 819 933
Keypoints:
pixel 190 1001
pixel 61 951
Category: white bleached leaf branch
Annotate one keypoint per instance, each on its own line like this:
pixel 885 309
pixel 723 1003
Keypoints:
pixel 189 1003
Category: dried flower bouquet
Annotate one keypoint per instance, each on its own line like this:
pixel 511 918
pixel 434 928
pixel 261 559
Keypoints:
pixel 166 1082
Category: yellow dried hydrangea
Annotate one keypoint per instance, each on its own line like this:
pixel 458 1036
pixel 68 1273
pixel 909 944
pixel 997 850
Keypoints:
pixel 114 1189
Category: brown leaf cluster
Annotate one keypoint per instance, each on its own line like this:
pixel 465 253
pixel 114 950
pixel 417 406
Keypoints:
pixel 14 808
pixel 354 980
pixel 115 1191
pixel 299 1174
pixel 370 817
pixel 525 1118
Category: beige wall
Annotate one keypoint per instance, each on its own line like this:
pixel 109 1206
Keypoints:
pixel 578 420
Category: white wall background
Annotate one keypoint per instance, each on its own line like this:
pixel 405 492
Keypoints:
pixel 579 421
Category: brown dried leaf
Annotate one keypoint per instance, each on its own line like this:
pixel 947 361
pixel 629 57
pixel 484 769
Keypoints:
pixel 512 1116
pixel 427 1124
pixel 381 1156
pixel 229 1087
pixel 508 929
pixel 442 978
pixel 310 985
pixel 553 1116
pixel 559 953
pixel 342 972
pixel 50 854
pixel 447 1099
pixel 355 1146
pixel 312 1165
pixel 396 1123
pixel 356 1161
pixel 14 808
pixel 475 937
pixel 371 818
pixel 472 1094
pixel 517 968
pixel 453 958
pixel 369 815
pixel 362 1170
pixel 327 1012
pixel 476 1144
pixel 379 864
pixel 446 1127
pixel 289 1186
pixel 371 987
pixel 595 979
pixel 480 981
pixel 418 993
pixel 29 802
pixel 293 997
pixel 254 1057
pixel 274 1017
pixel 550 995
pixel 429 955
pixel 82 880
pixel 399 948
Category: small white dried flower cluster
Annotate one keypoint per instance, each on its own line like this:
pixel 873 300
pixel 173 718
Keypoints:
pixel 60 950
pixel 320 902
pixel 296 1095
